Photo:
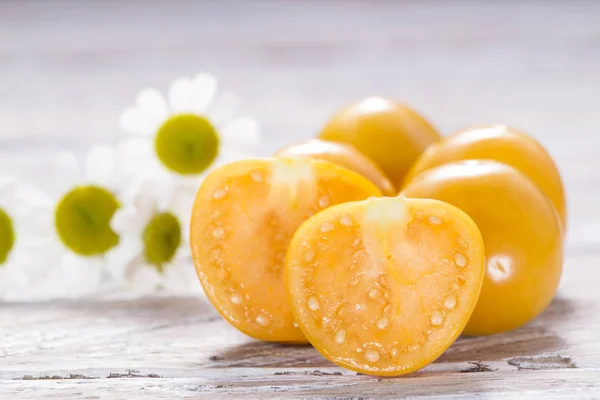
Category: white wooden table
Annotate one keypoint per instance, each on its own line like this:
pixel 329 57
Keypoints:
pixel 68 68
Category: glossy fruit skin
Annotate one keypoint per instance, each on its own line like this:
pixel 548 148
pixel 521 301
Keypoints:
pixel 342 154
pixel 503 144
pixel 521 233
pixel 391 134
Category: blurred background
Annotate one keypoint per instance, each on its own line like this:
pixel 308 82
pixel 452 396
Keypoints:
pixel 68 69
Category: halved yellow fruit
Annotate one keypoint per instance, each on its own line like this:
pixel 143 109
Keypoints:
pixel 242 221
pixel 384 286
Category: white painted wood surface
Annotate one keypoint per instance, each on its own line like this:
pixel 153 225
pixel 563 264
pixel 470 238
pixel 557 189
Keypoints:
pixel 68 68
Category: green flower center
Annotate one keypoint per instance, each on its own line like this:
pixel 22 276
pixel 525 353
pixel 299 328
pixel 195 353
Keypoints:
pixel 161 237
pixel 7 236
pixel 187 144
pixel 82 220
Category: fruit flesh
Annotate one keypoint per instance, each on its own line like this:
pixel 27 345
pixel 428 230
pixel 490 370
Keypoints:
pixel 342 154
pixel 390 134
pixel 503 144
pixel 521 232
pixel 243 219
pixel 375 285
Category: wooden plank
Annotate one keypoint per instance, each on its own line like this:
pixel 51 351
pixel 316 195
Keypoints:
pixel 178 346
pixel 568 384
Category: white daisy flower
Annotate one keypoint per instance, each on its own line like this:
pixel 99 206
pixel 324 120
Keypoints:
pixel 192 129
pixel 154 231
pixel 90 195
pixel 25 239
pixel 33 265
pixel 88 201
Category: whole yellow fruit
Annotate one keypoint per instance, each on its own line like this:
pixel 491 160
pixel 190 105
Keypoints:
pixel 521 234
pixel 391 134
pixel 503 144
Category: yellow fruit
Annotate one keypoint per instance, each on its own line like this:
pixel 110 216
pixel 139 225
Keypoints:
pixel 391 134
pixel 503 144
pixel 384 286
pixel 521 232
pixel 342 154
pixel 243 218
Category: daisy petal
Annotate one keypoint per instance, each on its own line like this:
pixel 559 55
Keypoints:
pixel 185 236
pixel 241 133
pixel 192 183
pixel 180 95
pixel 135 122
pixel 136 159
pixel 32 196
pixel 153 104
pixel 183 256
pixel 154 193
pixel 100 166
pixel 124 257
pixel 146 201
pixel 180 205
pixel 127 220
pixel 225 106
pixel 145 279
pixel 181 279
pixel 203 92
pixel 181 200
pixel 76 276
pixel 183 212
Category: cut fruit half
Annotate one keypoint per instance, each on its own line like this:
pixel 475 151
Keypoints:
pixel 384 286
pixel 243 219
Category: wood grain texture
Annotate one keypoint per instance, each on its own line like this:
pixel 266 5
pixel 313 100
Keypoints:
pixel 177 347
pixel 68 68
